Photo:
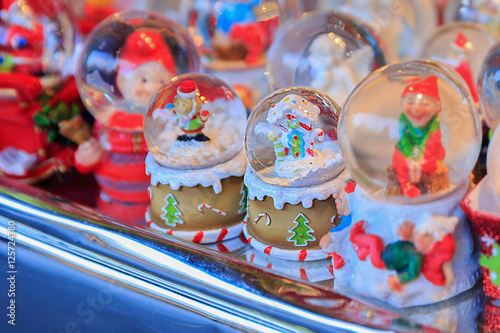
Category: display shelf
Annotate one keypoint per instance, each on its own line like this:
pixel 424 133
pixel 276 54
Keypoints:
pixel 78 269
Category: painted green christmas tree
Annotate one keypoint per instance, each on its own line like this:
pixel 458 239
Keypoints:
pixel 243 201
pixel 492 263
pixel 301 232
pixel 172 213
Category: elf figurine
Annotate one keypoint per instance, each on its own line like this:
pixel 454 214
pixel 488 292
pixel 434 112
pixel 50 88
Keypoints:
pixel 187 113
pixel 417 161
pixel 117 152
pixel 459 59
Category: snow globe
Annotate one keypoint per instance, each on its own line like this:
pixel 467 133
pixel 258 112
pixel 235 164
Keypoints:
pixel 463 46
pixel 402 25
pixel 482 11
pixel 194 129
pixel 489 88
pixel 294 169
pixel 410 136
pixel 482 205
pixel 123 61
pixel 333 56
pixel 40 104
pixel 233 38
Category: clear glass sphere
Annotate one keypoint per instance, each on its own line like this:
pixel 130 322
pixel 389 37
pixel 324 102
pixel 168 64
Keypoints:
pixel 403 25
pixel 410 132
pixel 233 34
pixel 327 51
pixel 493 160
pixel 127 57
pixel 193 122
pixel 489 87
pixel 291 138
pixel 38 37
pixel 483 11
pixel 463 46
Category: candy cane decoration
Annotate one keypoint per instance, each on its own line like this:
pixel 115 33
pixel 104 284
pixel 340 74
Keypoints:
pixel 268 220
pixel 204 205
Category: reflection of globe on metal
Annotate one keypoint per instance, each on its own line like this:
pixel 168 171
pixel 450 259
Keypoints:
pixel 336 53
pixel 233 34
pixel 489 87
pixel 127 57
pixel 410 132
pixel 194 122
pixel 493 161
pixel 291 138
pixel 38 37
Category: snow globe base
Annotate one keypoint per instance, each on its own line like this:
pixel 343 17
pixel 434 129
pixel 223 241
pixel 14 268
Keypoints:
pixel 481 206
pixel 189 210
pixel 291 233
pixel 198 237
pixel 435 261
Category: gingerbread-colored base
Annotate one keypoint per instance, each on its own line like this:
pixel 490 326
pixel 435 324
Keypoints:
pixel 190 198
pixel 281 221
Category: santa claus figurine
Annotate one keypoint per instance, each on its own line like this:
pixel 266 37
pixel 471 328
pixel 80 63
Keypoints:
pixel 117 151
pixel 458 58
pixel 23 39
pixel 417 162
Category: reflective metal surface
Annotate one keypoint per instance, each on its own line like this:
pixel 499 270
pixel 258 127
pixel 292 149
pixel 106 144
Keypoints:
pixel 79 271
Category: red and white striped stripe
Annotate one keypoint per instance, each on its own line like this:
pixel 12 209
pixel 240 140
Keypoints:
pixel 204 205
pixel 268 219
pixel 299 254
pixel 199 237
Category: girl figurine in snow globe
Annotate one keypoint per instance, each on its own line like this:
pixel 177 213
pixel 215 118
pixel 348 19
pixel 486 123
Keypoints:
pixel 194 129
pixel 123 61
pixel 294 169
pixel 463 46
pixel 410 136
pixel 335 54
pixel 40 118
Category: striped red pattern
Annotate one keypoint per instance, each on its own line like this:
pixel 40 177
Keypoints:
pixel 222 235
pixel 198 237
pixel 302 255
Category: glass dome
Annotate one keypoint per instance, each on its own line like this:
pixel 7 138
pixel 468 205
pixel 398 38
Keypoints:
pixel 38 37
pixel 463 46
pixel 493 160
pixel 403 25
pixel 193 122
pixel 233 34
pixel 291 138
pixel 489 87
pixel 410 132
pixel 127 57
pixel 327 51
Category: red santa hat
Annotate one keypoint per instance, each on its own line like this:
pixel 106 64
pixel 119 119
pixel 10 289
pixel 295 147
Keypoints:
pixel 7 3
pixel 145 46
pixel 427 87
pixel 189 89
pixel 461 43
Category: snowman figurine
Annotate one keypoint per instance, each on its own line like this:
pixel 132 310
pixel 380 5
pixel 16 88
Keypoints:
pixel 407 235
pixel 295 169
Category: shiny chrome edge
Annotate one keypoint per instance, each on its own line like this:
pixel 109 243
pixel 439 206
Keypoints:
pixel 183 268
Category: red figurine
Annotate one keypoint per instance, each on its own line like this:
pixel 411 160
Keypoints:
pixel 40 107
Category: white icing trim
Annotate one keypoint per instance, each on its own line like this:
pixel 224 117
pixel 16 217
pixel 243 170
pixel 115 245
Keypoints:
pixel 258 189
pixel 205 177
